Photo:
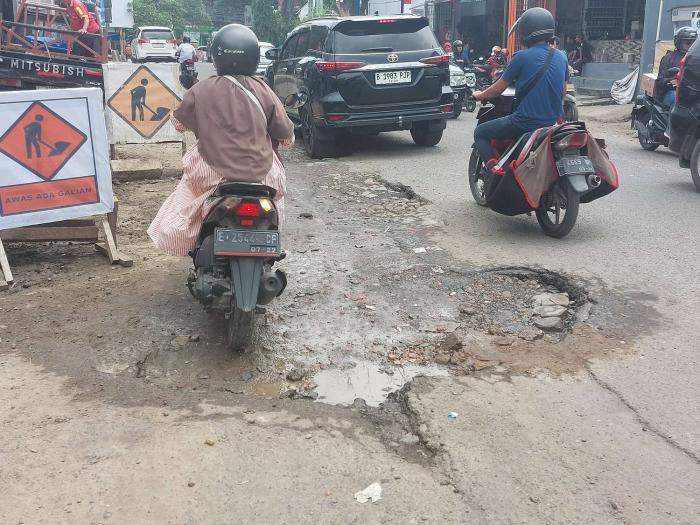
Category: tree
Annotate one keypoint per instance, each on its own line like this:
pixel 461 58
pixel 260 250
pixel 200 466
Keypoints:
pixel 271 24
pixel 178 14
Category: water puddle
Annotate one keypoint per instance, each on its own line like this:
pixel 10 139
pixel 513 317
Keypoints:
pixel 368 381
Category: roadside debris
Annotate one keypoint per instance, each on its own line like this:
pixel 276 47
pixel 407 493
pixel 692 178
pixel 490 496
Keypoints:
pixel 452 416
pixel 372 493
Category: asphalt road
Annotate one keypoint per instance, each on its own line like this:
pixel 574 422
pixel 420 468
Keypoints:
pixel 637 252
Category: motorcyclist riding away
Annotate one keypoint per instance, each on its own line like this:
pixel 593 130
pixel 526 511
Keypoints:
pixel 185 51
pixel 239 123
pixel 542 105
pixel 666 82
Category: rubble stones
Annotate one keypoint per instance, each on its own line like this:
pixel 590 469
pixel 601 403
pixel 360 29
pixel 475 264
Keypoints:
pixel 549 324
pixel 551 299
pixel 550 311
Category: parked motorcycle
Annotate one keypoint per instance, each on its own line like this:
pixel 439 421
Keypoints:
pixel 188 74
pixel 520 183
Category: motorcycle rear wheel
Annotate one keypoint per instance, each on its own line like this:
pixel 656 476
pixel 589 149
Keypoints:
pixel 695 165
pixel 240 327
pixel 477 184
pixel 644 141
pixel 561 198
pixel 471 106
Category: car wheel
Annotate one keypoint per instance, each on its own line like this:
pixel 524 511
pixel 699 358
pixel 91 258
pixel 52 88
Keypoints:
pixel 423 137
pixel 695 165
pixel 315 146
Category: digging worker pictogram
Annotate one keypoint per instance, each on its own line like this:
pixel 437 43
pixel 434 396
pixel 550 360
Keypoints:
pixel 32 136
pixel 138 100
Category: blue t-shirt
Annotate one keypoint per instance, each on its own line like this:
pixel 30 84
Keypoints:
pixel 543 105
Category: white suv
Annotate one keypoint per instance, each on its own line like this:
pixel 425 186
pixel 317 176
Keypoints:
pixel 153 43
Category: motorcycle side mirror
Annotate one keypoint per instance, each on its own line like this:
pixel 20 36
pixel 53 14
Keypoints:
pixel 296 100
pixel 272 54
pixel 674 70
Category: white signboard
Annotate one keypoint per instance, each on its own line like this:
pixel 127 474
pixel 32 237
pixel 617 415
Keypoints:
pixel 140 101
pixel 122 14
pixel 54 156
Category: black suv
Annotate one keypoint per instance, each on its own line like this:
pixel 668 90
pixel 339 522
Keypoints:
pixel 685 117
pixel 363 75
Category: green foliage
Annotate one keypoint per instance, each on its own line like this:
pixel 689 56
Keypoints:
pixel 178 14
pixel 270 24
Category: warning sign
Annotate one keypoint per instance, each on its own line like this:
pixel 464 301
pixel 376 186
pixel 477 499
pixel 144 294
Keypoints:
pixel 144 102
pixel 41 141
pixel 54 159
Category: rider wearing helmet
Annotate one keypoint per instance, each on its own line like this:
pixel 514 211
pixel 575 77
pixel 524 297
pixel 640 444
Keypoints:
pixel 542 105
pixel 666 82
pixel 458 51
pixel 239 123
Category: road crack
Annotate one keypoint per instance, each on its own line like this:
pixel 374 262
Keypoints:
pixel 641 420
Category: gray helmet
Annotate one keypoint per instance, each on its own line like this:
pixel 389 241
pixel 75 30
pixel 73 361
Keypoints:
pixel 235 49
pixel 689 34
pixel 457 43
pixel 535 25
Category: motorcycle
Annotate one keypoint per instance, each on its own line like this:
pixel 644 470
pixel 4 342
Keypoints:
pixel 525 180
pixel 188 74
pixel 483 74
pixel 650 119
pixel 462 84
pixel 570 103
pixel 237 247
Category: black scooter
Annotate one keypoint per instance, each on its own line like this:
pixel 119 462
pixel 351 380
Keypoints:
pixel 650 118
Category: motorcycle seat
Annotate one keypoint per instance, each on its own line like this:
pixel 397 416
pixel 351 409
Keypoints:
pixel 245 189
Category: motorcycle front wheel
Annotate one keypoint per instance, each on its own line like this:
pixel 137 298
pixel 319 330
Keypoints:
pixel 477 185
pixel 570 112
pixel 240 327
pixel 471 105
pixel 558 210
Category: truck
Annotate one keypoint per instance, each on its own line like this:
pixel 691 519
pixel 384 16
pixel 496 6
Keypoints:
pixel 39 51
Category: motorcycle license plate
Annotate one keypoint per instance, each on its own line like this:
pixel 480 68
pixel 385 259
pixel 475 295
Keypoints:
pixel 190 68
pixel 575 166
pixel 246 243
pixel 392 77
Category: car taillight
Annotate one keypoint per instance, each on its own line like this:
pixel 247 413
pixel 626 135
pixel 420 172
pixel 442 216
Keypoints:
pixel 436 60
pixel 575 140
pixel 447 108
pixel 144 41
pixel 388 20
pixel 679 77
pixel 334 67
pixel 172 41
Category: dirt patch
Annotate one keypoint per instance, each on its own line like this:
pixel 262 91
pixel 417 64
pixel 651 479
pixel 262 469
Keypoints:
pixel 365 286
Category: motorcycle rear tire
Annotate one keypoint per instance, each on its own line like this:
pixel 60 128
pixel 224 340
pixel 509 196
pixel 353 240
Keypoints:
pixel 475 168
pixel 695 165
pixel 561 229
pixel 571 112
pixel 644 138
pixel 457 111
pixel 240 327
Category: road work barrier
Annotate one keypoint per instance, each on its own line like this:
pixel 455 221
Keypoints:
pixel 140 101
pixel 54 170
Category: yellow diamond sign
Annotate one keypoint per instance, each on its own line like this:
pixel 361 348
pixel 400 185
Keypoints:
pixel 144 102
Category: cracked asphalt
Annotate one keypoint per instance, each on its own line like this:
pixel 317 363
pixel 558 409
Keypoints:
pixel 120 404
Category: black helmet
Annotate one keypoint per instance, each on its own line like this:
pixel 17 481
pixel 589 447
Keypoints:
pixel 235 50
pixel 688 34
pixel 535 25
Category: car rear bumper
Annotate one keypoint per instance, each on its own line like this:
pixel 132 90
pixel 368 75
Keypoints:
pixel 398 117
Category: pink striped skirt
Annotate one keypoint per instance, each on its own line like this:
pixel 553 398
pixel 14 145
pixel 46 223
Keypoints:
pixel 176 226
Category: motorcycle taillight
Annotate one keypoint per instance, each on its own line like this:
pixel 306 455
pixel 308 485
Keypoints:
pixel 573 141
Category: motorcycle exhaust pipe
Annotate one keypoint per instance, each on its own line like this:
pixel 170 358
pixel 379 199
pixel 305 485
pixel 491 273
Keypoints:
pixel 594 181
pixel 272 284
